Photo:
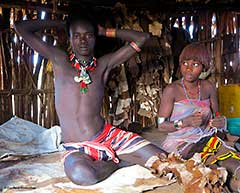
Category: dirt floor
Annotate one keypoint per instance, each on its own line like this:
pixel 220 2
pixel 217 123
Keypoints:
pixel 153 135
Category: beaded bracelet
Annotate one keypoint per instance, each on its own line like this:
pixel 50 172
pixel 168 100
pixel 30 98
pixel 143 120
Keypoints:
pixel 111 32
pixel 135 46
pixel 178 124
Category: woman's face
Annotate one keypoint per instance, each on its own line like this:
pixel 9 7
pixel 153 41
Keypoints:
pixel 82 38
pixel 191 70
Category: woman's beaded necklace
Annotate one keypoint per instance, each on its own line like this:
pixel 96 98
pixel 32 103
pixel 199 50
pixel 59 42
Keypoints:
pixel 83 71
pixel 186 93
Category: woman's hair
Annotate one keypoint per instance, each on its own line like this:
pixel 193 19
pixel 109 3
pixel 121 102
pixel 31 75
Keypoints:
pixel 197 52
pixel 81 14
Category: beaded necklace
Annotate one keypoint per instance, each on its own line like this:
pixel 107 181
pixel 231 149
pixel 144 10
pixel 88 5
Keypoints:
pixel 186 93
pixel 83 71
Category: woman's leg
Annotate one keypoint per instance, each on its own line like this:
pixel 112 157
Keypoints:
pixel 81 169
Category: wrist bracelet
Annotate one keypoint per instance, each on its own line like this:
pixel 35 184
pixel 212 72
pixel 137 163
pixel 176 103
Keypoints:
pixel 178 124
pixel 135 46
pixel 111 32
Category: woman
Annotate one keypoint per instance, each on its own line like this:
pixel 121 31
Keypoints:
pixel 189 114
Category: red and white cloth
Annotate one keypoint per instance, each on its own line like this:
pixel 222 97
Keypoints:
pixel 110 143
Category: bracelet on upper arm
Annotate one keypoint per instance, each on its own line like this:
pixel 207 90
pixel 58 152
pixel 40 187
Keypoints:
pixel 135 46
pixel 111 32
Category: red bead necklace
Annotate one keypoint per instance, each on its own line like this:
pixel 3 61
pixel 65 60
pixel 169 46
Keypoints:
pixel 83 71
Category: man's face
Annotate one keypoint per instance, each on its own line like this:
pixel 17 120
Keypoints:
pixel 82 38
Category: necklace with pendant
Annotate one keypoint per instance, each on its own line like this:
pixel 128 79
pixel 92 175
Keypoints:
pixel 186 93
pixel 83 68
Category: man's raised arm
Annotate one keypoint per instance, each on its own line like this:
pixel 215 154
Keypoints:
pixel 135 40
pixel 27 30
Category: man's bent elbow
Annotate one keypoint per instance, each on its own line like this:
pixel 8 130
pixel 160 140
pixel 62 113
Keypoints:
pixel 18 27
pixel 15 25
pixel 145 37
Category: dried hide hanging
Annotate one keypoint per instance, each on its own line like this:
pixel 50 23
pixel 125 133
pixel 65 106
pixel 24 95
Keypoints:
pixel 131 21
pixel 156 71
pixel 136 26
pixel 155 28
pixel 157 54
pixel 121 116
pixel 148 94
pixel 160 45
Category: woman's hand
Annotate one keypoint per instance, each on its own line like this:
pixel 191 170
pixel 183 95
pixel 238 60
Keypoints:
pixel 218 122
pixel 194 120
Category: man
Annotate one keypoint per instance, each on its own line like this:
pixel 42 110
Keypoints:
pixel 93 146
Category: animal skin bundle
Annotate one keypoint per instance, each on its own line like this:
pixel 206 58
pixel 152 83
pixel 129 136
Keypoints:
pixel 192 174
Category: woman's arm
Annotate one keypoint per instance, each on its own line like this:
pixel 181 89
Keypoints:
pixel 217 121
pixel 212 95
pixel 165 110
pixel 27 30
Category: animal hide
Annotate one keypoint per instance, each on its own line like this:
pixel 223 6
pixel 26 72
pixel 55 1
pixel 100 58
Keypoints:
pixel 45 173
pixel 192 174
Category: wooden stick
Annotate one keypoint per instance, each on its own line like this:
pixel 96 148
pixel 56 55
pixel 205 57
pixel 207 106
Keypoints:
pixel 25 91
